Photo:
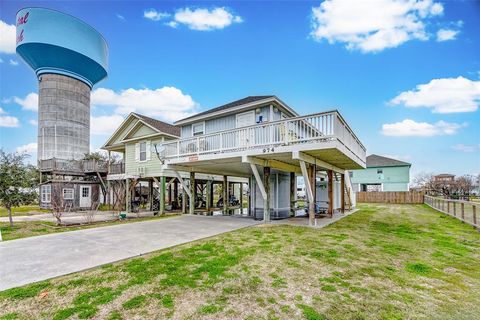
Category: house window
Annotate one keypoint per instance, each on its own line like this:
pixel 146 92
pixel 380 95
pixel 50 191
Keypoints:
pixel 143 151
pixel 379 171
pixel 46 193
pixel 350 173
pixel 85 192
pixel 198 129
pixel 68 193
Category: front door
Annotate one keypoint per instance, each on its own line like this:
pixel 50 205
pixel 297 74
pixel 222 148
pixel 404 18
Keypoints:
pixel 85 196
pixel 245 137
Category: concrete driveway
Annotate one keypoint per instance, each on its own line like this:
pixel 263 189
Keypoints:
pixel 34 259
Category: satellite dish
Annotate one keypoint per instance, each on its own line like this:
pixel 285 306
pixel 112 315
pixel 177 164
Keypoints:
pixel 159 150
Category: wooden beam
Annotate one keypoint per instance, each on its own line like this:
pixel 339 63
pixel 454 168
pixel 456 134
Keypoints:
pixel 298 155
pixel 342 192
pixel 330 192
pixel 182 182
pixel 271 163
pixel 241 197
pixel 266 203
pixel 150 194
pixel 293 193
pixel 209 196
pixel 128 196
pixel 258 179
pixel 162 195
pixel 306 178
pixel 311 203
pixel 225 194
pixel 192 194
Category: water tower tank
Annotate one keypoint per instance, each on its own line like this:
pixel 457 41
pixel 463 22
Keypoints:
pixel 69 57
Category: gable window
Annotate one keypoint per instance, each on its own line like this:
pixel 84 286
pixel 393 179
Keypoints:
pixel 379 171
pixel 198 129
pixel 68 193
pixel 143 151
pixel 46 193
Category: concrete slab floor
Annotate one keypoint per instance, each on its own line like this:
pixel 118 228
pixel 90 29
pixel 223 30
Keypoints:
pixel 39 258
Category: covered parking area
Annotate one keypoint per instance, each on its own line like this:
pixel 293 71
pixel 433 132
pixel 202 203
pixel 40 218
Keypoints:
pixel 272 173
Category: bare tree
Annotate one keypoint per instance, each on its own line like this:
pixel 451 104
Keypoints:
pixel 464 185
pixel 58 209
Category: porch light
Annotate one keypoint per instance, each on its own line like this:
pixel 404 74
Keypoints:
pixel 258 110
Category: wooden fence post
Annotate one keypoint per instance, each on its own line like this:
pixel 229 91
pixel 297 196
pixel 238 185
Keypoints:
pixel 454 209
pixel 448 207
pixel 474 209
pixel 462 206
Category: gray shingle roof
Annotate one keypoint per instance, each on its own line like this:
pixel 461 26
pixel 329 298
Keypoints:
pixel 374 160
pixel 160 125
pixel 229 105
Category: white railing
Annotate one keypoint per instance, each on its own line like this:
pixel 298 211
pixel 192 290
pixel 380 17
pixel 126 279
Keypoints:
pixel 326 126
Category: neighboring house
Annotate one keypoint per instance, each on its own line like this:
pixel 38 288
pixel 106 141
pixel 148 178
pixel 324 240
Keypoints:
pixel 258 140
pixel 444 178
pixel 382 174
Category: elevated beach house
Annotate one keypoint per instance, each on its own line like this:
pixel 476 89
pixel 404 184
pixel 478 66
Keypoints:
pixel 251 149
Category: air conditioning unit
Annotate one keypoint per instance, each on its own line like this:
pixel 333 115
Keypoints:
pixel 141 171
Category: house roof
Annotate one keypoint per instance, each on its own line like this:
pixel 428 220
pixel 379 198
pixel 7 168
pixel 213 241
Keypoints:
pixel 445 175
pixel 160 125
pixel 374 160
pixel 237 103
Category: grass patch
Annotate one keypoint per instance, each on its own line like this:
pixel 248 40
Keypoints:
pixel 135 302
pixel 383 262
pixel 22 211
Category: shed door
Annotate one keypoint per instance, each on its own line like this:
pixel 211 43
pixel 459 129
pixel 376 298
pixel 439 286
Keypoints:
pixel 85 196
pixel 245 137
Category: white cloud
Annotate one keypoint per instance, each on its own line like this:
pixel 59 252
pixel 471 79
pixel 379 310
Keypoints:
pixel 9 122
pixel 29 148
pixel 13 62
pixel 105 125
pixel 172 24
pixel 411 128
pixel 446 95
pixel 466 148
pixel 372 25
pixel 30 102
pixel 446 34
pixel 120 17
pixel 2 111
pixel 167 103
pixel 33 122
pixel 155 15
pixel 205 19
pixel 7 37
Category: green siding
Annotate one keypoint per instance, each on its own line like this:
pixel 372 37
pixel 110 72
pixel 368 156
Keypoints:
pixel 390 176
pixel 153 167
pixel 142 131
pixel 121 134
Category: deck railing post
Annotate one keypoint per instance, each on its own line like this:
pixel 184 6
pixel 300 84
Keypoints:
pixel 474 213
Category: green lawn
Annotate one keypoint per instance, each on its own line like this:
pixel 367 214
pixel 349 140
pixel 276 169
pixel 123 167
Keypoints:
pixel 383 262
pixel 22 211
pixel 37 228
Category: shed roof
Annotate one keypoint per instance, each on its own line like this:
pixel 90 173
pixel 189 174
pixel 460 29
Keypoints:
pixel 374 160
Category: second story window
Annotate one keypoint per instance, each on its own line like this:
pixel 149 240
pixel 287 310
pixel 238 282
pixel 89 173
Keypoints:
pixel 143 151
pixel 198 129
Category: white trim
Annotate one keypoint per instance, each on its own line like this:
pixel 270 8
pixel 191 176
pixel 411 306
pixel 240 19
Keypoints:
pixel 233 109
pixel 68 189
pixel 242 114
pixel 197 123
pixel 44 194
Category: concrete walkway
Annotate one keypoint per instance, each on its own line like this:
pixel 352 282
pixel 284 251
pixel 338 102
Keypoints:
pixel 34 259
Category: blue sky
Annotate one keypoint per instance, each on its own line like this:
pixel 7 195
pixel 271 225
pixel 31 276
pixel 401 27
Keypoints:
pixel 405 75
